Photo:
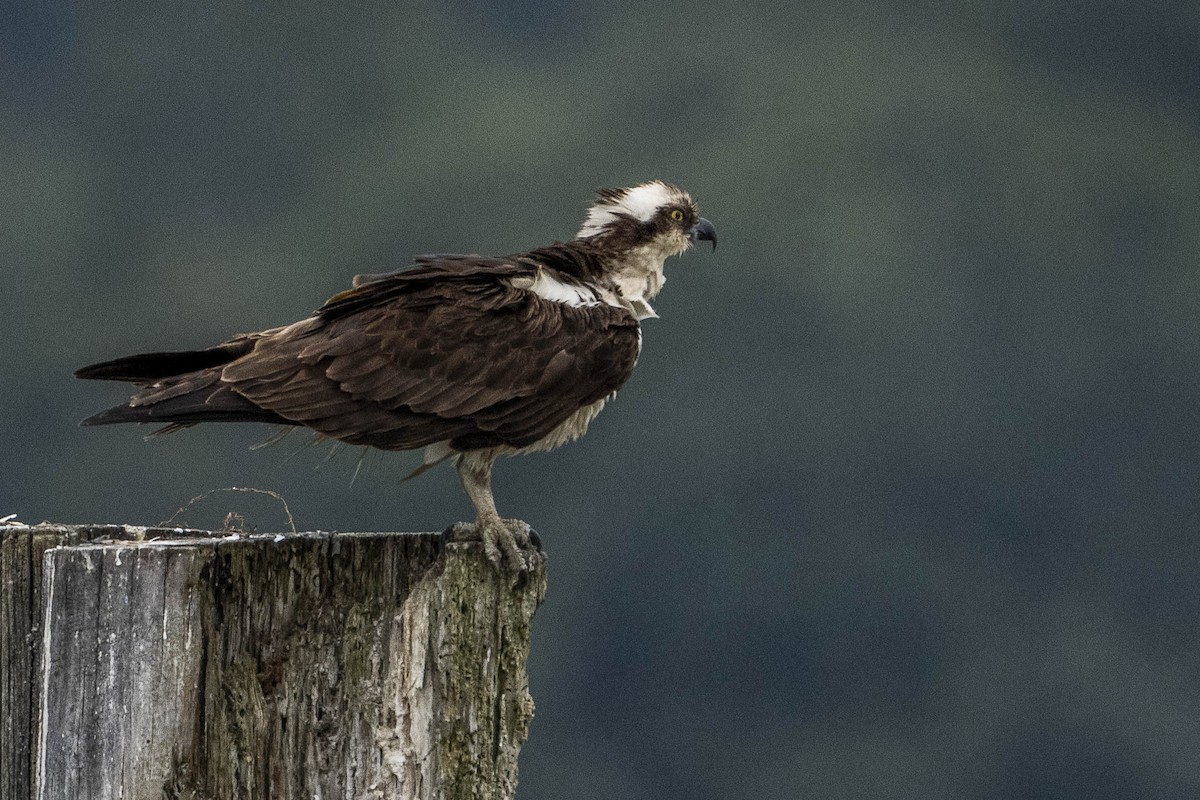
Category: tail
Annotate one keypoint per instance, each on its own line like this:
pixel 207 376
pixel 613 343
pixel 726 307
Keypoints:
pixel 205 403
pixel 150 367
pixel 179 389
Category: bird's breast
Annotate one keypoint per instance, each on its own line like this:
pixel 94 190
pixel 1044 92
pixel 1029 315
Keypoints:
pixel 569 429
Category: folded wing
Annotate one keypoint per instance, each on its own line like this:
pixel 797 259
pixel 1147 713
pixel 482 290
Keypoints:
pixel 447 351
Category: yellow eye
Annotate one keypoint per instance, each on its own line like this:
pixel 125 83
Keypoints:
pixel 677 215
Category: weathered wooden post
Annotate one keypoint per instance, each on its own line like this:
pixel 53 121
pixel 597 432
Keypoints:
pixel 151 663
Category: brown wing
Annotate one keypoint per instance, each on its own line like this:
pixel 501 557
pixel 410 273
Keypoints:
pixel 418 358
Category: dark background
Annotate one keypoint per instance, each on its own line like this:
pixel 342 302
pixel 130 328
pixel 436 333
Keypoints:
pixel 902 500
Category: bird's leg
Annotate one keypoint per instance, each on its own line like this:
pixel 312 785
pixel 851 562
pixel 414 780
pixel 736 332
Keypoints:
pixel 503 540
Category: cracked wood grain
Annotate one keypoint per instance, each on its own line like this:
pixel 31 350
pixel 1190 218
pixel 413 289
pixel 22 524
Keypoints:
pixel 186 664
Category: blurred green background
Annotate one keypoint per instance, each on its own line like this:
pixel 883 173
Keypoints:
pixel 902 500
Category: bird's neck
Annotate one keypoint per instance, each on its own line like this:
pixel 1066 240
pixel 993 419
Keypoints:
pixel 638 273
pixel 635 272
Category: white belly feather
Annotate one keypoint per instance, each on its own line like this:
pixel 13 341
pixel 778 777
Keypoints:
pixel 568 430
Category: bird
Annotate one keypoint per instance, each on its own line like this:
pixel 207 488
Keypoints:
pixel 467 357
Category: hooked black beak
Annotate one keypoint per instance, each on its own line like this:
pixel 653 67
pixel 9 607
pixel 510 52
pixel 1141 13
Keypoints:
pixel 703 230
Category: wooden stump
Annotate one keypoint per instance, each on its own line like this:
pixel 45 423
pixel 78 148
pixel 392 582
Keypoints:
pixel 151 663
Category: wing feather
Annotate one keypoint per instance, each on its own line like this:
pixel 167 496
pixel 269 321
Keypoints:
pixel 405 360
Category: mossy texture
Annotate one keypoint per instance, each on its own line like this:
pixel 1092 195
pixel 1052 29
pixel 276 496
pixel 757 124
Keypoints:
pixel 193 665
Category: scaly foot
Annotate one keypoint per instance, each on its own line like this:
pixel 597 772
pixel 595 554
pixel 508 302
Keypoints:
pixel 507 542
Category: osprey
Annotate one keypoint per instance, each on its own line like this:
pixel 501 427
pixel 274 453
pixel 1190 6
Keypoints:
pixel 466 356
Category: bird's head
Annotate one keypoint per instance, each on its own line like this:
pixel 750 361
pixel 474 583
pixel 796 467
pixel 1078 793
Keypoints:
pixel 654 217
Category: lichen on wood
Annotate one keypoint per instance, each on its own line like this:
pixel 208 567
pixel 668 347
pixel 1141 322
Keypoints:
pixel 264 666
pixel 462 694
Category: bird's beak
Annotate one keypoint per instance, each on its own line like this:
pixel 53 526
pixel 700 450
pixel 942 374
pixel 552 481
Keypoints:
pixel 703 230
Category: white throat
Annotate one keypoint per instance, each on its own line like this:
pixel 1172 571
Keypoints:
pixel 640 278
